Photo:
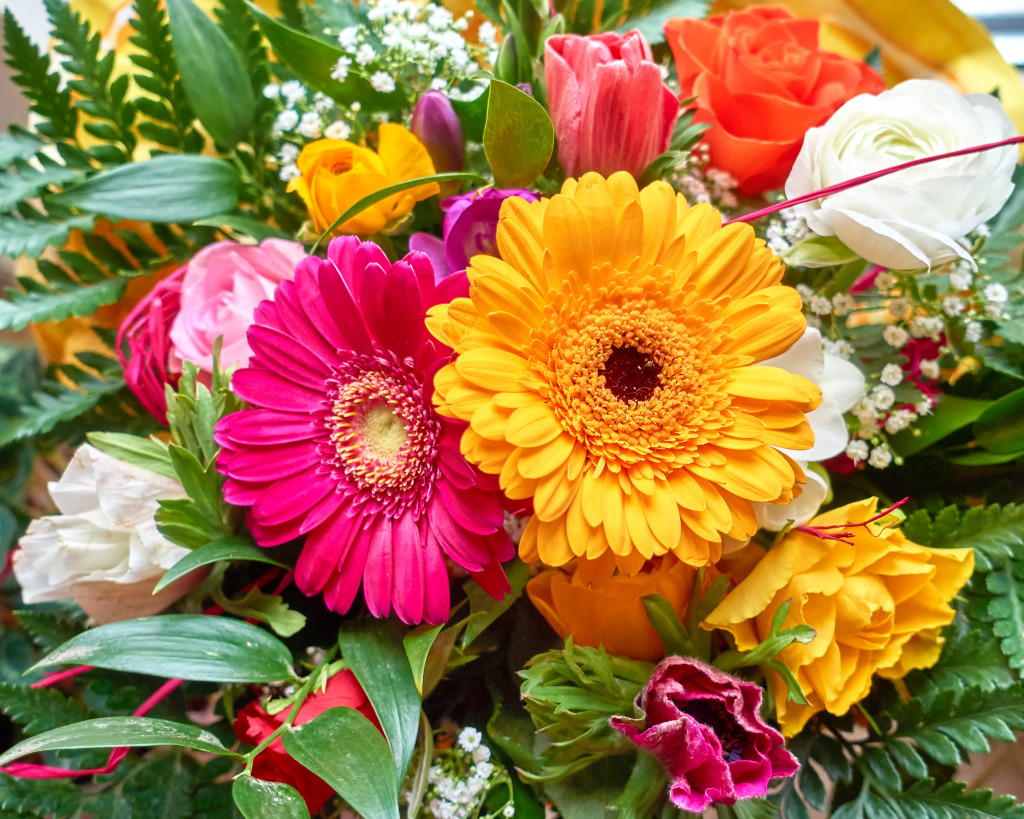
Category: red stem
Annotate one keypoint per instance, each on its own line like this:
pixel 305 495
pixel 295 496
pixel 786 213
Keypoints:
pixel 868 177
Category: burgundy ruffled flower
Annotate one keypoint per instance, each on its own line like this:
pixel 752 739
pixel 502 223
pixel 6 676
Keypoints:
pixel 704 726
pixel 344 446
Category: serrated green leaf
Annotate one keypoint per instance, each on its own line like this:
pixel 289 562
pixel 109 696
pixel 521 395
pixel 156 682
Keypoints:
pixel 30 237
pixel 518 136
pixel 17 146
pixel 114 732
pixel 189 646
pixel 57 302
pixel 266 608
pixel 226 106
pixel 39 709
pixel 17 187
pixel 167 188
pixel 343 748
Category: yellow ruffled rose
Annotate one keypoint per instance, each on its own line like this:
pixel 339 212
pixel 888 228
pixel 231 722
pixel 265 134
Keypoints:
pixel 601 610
pixel 877 600
pixel 337 173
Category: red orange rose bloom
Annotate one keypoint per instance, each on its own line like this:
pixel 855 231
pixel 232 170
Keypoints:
pixel 761 80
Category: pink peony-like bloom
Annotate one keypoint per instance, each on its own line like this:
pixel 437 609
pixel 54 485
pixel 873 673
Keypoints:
pixel 211 297
pixel 345 447
pixel 704 726
pixel 609 105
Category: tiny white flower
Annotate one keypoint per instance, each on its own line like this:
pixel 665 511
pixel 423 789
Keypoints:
pixel 895 336
pixel 469 739
pixel 439 83
pixel 881 457
pixel 272 91
pixel 892 374
pixel 983 229
pixel 348 39
pixel 311 126
pixel 857 450
pixel 509 812
pixel 286 120
pixel 293 91
pixel 487 34
pixel 898 307
pixel 356 107
pixel 338 130
pixel 953 306
pixel 996 292
pixel 974 331
pixel 440 18
pixel 930 368
pixel 821 305
pixel 383 82
pixel 885 281
pixel 924 407
pixel 842 303
pixel 960 277
pixel 365 54
pixel 805 291
pixel 883 397
pixel 463 24
pixel 288 153
pixel 899 419
pixel 481 754
pixel 340 70
pixel 289 172
pixel 484 769
pixel 926 327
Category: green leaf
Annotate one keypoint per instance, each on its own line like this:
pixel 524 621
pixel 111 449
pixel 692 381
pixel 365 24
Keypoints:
pixel 229 548
pixel 181 522
pixel 1000 428
pixel 212 72
pixel 418 644
pixel 17 146
pixel 384 193
pixel 17 187
pixel 374 652
pixel 149 453
pixel 952 413
pixel 167 188
pixel 267 608
pixel 643 789
pixel 31 236
pixel 312 60
pixel 247 227
pixel 518 136
pixel 1006 608
pixel 922 800
pixel 257 799
pixel 769 648
pixel 650 16
pixel 665 621
pixel 39 709
pixel 116 732
pixel 56 300
pixel 48 630
pixel 484 609
pixel 189 646
pixel 819 251
pixel 343 748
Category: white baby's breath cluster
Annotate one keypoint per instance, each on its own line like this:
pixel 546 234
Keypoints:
pixel 460 779
pixel 784 230
pixel 703 185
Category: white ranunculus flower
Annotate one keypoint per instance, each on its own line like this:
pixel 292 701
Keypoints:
pixel 914 218
pixel 842 386
pixel 103 549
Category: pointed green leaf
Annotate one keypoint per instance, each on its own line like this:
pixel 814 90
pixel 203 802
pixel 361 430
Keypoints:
pixel 518 136
pixel 189 646
pixel 116 732
pixel 212 73
pixel 230 548
pixel 257 799
pixel 149 453
pixel 343 748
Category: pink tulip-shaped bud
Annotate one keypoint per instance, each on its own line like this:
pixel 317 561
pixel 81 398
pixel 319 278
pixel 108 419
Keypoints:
pixel 436 125
pixel 609 105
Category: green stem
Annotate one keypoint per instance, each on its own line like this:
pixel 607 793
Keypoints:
pixel 300 698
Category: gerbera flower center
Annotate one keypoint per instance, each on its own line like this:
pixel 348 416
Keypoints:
pixel 631 375
pixel 381 436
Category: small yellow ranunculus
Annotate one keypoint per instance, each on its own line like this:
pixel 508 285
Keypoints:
pixel 877 600
pixel 337 173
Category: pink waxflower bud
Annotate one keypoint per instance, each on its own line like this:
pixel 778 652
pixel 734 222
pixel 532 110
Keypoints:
pixel 609 105
pixel 436 125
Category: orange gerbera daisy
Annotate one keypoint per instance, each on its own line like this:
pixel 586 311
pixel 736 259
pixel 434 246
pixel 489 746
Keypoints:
pixel 605 369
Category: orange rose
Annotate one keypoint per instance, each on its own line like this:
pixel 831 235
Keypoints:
pixel 761 80
pixel 609 612
pixel 336 174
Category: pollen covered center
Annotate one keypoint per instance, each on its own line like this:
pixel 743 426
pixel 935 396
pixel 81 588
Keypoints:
pixel 631 375
pixel 382 433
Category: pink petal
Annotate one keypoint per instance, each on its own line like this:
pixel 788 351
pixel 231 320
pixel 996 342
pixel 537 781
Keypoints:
pixel 291 498
pixel 271 463
pixel 379 574
pixel 283 354
pixel 392 308
pixel 475 511
pixel 438 593
pixel 409 591
pixel 263 427
pixel 343 310
pixel 351 565
pixel 264 388
pixel 465 548
pixel 321 551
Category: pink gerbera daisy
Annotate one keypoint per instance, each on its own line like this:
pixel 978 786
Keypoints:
pixel 343 444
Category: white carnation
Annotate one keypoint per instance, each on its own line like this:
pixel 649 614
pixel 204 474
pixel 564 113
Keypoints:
pixel 915 218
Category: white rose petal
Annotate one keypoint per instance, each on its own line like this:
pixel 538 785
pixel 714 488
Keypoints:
pixel 915 218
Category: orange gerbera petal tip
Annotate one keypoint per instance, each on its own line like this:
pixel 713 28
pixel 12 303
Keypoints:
pixel 604 367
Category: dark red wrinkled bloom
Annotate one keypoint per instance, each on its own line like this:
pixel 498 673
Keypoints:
pixel 273 764
pixel 704 727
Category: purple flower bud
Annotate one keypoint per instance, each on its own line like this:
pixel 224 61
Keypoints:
pixel 471 223
pixel 436 125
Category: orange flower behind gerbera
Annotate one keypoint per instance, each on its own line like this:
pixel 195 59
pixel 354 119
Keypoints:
pixel 610 611
pixel 761 80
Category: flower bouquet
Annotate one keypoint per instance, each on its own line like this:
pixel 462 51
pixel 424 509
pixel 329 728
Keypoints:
pixel 512 409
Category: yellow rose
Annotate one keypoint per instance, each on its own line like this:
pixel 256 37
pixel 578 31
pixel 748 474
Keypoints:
pixel 877 601
pixel 598 610
pixel 336 174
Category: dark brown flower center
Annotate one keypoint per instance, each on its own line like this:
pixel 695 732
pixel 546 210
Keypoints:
pixel 631 375
pixel 716 716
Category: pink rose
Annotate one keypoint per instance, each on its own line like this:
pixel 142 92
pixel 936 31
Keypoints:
pixel 609 105
pixel 213 296
pixel 704 726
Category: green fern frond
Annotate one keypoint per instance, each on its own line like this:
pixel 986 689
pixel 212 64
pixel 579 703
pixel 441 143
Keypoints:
pixel 31 235
pixel 39 709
